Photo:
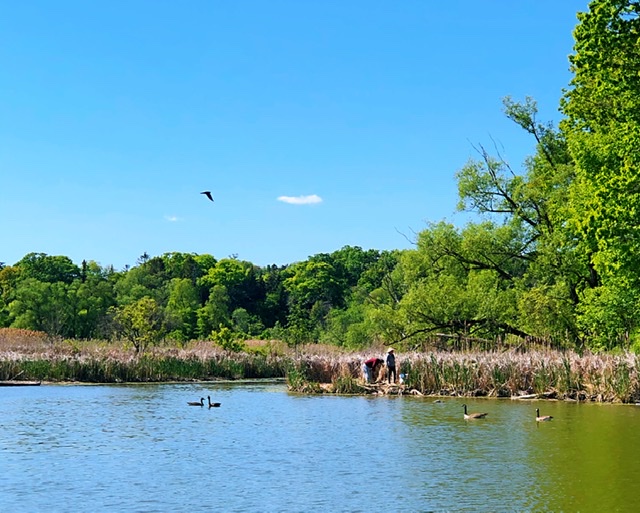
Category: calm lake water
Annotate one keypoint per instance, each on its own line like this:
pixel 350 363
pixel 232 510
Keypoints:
pixel 142 449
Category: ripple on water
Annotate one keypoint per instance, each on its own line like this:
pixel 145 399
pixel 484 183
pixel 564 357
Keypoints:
pixel 140 448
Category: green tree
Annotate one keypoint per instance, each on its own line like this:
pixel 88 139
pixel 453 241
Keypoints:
pixel 145 280
pixel 42 306
pixel 9 277
pixel 312 287
pixel 182 265
pixel 182 307
pixel 139 322
pixel 602 126
pixel 246 324
pixel 214 313
pixel 274 307
pixel 240 279
pixel 49 269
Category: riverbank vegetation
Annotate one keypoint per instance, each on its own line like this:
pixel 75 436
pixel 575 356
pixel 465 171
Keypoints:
pixel 549 260
pixel 314 368
pixel 29 355
pixel 544 374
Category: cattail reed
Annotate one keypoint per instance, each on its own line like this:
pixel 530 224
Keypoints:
pixel 29 355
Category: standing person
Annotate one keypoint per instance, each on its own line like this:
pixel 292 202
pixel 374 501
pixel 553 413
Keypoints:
pixel 391 365
pixel 369 367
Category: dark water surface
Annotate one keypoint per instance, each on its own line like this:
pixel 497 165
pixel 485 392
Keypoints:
pixel 142 449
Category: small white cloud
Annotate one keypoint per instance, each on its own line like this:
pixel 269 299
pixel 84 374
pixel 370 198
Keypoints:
pixel 172 219
pixel 301 200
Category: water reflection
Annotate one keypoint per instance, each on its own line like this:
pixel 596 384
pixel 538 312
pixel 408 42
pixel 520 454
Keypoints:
pixel 141 448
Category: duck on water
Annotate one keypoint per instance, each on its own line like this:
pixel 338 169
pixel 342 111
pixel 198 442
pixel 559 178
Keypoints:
pixel 543 418
pixel 469 416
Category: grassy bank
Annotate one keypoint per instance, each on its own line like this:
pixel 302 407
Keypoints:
pixel 27 355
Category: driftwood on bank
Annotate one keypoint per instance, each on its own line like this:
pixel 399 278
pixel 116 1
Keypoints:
pixel 545 395
pixel 14 383
pixel 383 388
pixel 379 388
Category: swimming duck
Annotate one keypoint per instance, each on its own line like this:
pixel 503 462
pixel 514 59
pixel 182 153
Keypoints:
pixel 544 418
pixel 468 416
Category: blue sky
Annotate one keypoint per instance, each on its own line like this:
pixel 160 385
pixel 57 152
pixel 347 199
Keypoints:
pixel 114 116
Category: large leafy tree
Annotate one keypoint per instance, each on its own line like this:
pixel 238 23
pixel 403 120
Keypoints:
pixel 47 268
pixel 182 307
pixel 43 306
pixel 520 247
pixel 240 280
pixel 91 296
pixel 214 314
pixel 602 126
pixel 139 322
pixel 452 287
pixel 273 309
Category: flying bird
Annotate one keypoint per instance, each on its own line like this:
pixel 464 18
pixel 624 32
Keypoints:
pixel 207 194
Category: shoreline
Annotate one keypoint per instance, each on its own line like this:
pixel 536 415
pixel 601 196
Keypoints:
pixel 317 369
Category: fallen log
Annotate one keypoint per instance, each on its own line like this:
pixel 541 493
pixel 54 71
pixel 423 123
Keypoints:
pixel 13 383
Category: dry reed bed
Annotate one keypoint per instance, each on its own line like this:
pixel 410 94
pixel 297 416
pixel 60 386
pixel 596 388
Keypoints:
pixel 551 374
pixel 555 374
pixel 29 355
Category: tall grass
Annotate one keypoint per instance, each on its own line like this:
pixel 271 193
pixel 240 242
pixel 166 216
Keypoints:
pixel 29 355
pixel 552 374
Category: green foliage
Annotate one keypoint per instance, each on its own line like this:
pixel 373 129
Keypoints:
pixel 298 380
pixel 351 328
pixel 140 323
pixel 313 281
pixel 245 323
pixel 215 311
pixel 42 306
pixel 607 315
pixel 603 131
pixel 240 280
pixel 48 269
pixel 545 313
pixel 181 309
pixel 227 340
pixel 346 384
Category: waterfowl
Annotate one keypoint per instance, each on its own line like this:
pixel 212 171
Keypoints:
pixel 544 418
pixel 193 403
pixel 468 416
pixel 212 405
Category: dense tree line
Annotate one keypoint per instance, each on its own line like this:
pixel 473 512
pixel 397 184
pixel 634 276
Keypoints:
pixel 553 253
pixel 180 296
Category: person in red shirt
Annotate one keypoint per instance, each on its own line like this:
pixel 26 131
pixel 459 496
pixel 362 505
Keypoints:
pixel 370 368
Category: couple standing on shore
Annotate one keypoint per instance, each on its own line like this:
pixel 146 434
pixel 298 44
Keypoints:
pixel 371 367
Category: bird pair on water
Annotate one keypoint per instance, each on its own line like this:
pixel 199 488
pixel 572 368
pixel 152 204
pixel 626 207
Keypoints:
pixel 201 403
pixel 468 416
